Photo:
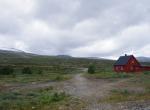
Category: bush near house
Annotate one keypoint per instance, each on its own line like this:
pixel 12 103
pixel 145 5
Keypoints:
pixel 91 69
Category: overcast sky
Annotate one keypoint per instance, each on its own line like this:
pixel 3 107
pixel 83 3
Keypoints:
pixel 89 28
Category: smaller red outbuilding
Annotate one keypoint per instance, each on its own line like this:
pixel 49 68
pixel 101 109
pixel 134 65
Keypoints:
pixel 129 63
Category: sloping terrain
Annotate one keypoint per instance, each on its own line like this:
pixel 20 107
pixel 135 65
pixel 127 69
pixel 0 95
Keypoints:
pixel 15 54
pixel 104 90
pixel 23 59
pixel 143 59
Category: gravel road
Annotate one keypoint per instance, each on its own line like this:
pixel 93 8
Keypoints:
pixel 89 90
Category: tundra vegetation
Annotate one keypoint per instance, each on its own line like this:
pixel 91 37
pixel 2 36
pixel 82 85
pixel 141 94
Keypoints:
pixel 91 69
pixel 25 83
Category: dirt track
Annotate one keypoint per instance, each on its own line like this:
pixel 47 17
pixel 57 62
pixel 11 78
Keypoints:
pixel 89 90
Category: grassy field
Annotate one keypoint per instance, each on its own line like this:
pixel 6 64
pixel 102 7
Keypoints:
pixel 47 68
pixel 41 99
pixel 108 75
pixel 54 69
pixel 38 75
pixel 136 88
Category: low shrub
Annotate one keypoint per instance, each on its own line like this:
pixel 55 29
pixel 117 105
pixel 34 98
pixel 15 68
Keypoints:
pixel 91 69
pixel 47 98
pixel 124 95
pixel 58 96
pixel 39 72
pixel 6 70
pixel 58 78
pixel 123 75
pixel 147 73
pixel 123 92
pixel 26 70
pixel 108 75
pixel 27 100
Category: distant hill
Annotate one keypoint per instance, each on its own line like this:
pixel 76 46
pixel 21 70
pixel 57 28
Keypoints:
pixel 143 59
pixel 15 54
pixel 64 56
pixel 20 58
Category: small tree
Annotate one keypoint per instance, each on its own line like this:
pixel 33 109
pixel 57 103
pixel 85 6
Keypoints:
pixel 39 72
pixel 91 69
pixel 26 70
pixel 6 70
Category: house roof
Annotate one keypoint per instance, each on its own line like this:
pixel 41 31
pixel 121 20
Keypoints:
pixel 123 60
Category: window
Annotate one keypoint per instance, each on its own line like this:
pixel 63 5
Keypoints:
pixel 121 67
pixel 116 68
pixel 132 62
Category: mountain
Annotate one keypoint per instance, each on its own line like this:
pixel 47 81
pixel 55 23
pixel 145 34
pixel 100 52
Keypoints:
pixel 64 56
pixel 143 59
pixel 14 53
pixel 10 49
pixel 19 58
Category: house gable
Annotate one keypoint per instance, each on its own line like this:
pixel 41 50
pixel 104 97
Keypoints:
pixel 133 61
pixel 127 64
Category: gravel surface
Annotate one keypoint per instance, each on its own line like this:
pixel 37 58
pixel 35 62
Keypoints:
pixel 89 90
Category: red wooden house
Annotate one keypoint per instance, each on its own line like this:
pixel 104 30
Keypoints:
pixel 129 64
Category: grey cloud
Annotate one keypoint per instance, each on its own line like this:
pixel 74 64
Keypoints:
pixel 77 27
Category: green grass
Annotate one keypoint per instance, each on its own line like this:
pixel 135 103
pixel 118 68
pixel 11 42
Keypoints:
pixel 27 99
pixel 108 75
pixel 38 74
pixel 25 78
pixel 123 95
pixel 43 99
pixel 142 80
